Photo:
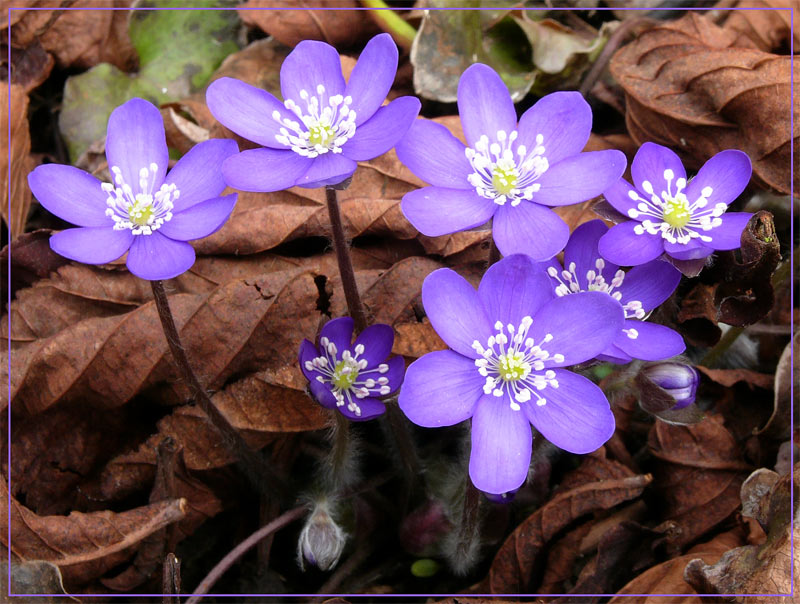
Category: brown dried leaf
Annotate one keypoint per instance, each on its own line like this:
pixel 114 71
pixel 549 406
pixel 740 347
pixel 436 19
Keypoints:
pixel 729 377
pixel 34 577
pixel 788 367
pixel 16 162
pixel 30 258
pixel 689 87
pixel 769 29
pixel 30 66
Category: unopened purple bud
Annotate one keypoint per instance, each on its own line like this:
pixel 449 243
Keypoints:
pixel 321 541
pixel 676 379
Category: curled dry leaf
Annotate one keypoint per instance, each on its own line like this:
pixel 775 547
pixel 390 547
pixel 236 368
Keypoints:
pixel 768 29
pixel 34 577
pixel 16 162
pixel 688 86
pixel 30 66
pixel 788 367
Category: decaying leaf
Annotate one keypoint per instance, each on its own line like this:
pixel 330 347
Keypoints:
pixel 770 29
pixel 16 161
pixel 34 577
pixel 788 368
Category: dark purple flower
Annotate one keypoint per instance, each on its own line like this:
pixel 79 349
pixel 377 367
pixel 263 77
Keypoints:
pixel 510 342
pixel 685 219
pixel 510 172
pixel 323 127
pixel 678 380
pixel 146 212
pixel 639 291
pixel 350 377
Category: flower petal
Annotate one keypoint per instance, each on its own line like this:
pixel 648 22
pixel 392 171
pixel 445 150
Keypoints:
pixel 264 170
pixel 308 352
pixel 71 194
pixel 370 409
pixel 581 326
pixel 501 446
pixel 340 332
pixel 582 250
pixel 455 311
pixel 323 394
pixel 529 229
pixel 433 154
pixel 727 173
pixel 649 164
pixel 440 389
pixel 383 130
pixel 513 288
pixel 377 341
pixel 438 211
pixel 580 177
pixel 651 283
pixel 728 235
pixel 624 247
pixel 155 257
pixel 396 373
pixel 576 417
pixel 200 220
pixel 692 250
pixel 327 169
pixel 564 119
pixel 653 342
pixel 618 196
pixel 484 104
pixel 372 77
pixel 247 110
pixel 198 174
pixel 135 140
pixel 309 65
pixel 92 245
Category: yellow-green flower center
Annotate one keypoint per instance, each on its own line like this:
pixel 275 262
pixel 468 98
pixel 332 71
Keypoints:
pixel 504 179
pixel 141 211
pixel 676 212
pixel 321 134
pixel 344 375
pixel 513 366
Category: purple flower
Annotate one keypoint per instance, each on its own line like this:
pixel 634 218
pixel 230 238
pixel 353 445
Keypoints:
pixel 323 127
pixel 510 342
pixel 639 291
pixel 350 377
pixel 685 219
pixel 678 380
pixel 510 172
pixel 146 212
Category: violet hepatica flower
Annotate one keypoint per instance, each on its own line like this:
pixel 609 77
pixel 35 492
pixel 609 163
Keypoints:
pixel 146 212
pixel 350 377
pixel 509 344
pixel 685 219
pixel 639 291
pixel 509 172
pixel 679 380
pixel 323 126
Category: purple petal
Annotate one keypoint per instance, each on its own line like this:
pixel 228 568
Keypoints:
pixel 383 130
pixel 455 311
pixel 564 119
pixel 264 170
pixel 582 250
pixel 624 247
pixel 135 140
pixel 581 326
pixel 247 110
pixel 396 373
pixel 438 211
pixel 529 229
pixel 501 446
pixel 200 220
pixel 308 352
pixel 728 235
pixel 649 164
pixel 156 257
pixel 370 409
pixel 580 177
pixel 323 394
pixel 377 341
pixel 653 342
pixel 327 169
pixel 613 354
pixel 618 196
pixel 576 417
pixel 340 332
pixel 513 288
pixel 198 174
pixel 92 245
pixel 432 153
pixel 651 283
pixel 309 65
pixel 692 250
pixel 484 104
pixel 372 77
pixel 727 173
pixel 71 194
pixel 440 389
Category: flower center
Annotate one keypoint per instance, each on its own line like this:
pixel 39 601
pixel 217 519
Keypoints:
pixel 504 172
pixel 325 125
pixel 509 361
pixel 676 212
pixel 345 374
pixel 142 212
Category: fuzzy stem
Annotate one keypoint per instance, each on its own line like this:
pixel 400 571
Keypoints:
pixel 405 446
pixel 389 21
pixel 469 521
pixel 340 452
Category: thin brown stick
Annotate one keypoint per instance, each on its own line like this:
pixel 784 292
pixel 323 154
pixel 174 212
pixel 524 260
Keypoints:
pixel 171 580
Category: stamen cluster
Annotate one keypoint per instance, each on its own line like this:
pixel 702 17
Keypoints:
pixel 143 212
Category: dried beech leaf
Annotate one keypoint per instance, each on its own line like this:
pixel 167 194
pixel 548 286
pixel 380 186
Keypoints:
pixel 729 377
pixel 30 66
pixel 769 29
pixel 16 161
pixel 33 577
pixel 30 258
pixel 788 367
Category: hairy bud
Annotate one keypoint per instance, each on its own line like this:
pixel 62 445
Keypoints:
pixel 321 541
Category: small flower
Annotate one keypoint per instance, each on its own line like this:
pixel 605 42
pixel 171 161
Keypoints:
pixel 510 342
pixel 146 212
pixel 685 219
pixel 323 127
pixel 321 541
pixel 639 291
pixel 509 172
pixel 350 377
pixel 678 380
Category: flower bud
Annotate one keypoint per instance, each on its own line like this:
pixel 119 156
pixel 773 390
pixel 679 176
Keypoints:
pixel 678 380
pixel 321 541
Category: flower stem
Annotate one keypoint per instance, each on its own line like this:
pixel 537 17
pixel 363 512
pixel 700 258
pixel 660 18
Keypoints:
pixel 341 453
pixel 389 21
pixel 258 471
pixel 468 529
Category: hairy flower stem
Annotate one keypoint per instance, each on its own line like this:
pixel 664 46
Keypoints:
pixel 341 454
pixel 262 476
pixel 468 527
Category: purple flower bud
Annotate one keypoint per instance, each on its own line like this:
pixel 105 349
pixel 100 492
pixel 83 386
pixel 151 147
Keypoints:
pixel 321 541
pixel 676 379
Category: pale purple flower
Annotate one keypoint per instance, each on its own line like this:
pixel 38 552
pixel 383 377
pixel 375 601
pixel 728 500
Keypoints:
pixel 639 291
pixel 323 126
pixel 509 344
pixel 685 219
pixel 678 380
pixel 509 172
pixel 349 376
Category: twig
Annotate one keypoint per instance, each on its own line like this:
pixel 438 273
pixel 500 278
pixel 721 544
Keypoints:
pixel 171 579
pixel 389 21
pixel 609 49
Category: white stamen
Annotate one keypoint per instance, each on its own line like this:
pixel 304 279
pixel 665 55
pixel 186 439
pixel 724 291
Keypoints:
pixel 142 211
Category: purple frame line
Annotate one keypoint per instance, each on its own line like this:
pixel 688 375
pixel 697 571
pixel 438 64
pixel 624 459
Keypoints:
pixel 791 312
